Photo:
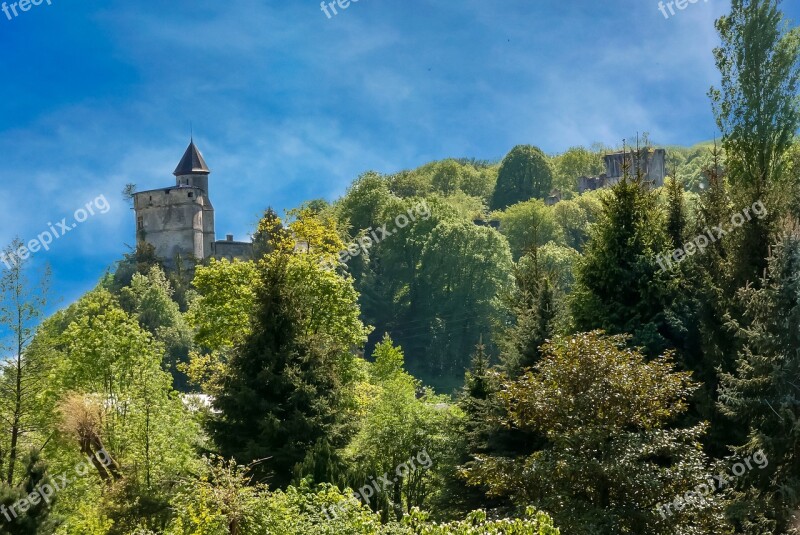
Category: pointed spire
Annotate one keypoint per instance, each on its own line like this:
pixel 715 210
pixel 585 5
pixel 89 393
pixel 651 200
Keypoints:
pixel 192 162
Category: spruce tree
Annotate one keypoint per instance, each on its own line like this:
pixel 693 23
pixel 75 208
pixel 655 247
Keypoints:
pixel 37 519
pixel 763 394
pixel 533 309
pixel 622 284
pixel 285 391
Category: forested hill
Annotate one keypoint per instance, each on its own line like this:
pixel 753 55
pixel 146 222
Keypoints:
pixel 443 282
pixel 434 251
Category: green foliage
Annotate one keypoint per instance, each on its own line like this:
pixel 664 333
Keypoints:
pixel 34 518
pixel 23 371
pixel 222 501
pixel 534 523
pixel 110 357
pixel 220 317
pixel 763 395
pixel 576 162
pixel 149 299
pixel 462 269
pixel 397 425
pixel 758 111
pixel 365 202
pixel 756 106
pixel 534 309
pixel 527 225
pixel 285 385
pixel 676 212
pixel 610 455
pixel 525 173
pixel 620 288
pixel 446 177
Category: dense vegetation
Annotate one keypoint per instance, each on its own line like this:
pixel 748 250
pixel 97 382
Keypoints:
pixel 441 351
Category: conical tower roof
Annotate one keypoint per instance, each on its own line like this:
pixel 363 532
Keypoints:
pixel 192 162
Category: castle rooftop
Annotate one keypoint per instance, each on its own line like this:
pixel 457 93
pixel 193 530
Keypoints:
pixel 192 162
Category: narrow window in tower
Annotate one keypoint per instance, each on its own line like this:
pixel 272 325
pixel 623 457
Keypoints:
pixel 190 194
pixel 140 223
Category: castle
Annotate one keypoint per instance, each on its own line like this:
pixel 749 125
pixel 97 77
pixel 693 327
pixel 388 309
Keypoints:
pixel 652 164
pixel 178 221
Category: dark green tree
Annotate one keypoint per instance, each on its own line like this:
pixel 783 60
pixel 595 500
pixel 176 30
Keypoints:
pixel 532 307
pixel 763 394
pixel 278 399
pixel 676 212
pixel 612 454
pixel 525 173
pixel 37 518
pixel 620 286
pixel 285 387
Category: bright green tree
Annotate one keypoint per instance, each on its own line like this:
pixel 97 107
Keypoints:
pixel 758 112
pixel 397 426
pixel 528 224
pixel 576 162
pixel 149 299
pixel 220 317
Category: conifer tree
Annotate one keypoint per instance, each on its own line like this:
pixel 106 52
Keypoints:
pixel 533 308
pixel 284 390
pixel 37 518
pixel 622 284
pixel 763 395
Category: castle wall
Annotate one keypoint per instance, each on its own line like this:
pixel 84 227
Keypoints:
pixel 652 163
pixel 175 221
pixel 233 249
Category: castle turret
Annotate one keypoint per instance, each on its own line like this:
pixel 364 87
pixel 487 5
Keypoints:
pixel 192 169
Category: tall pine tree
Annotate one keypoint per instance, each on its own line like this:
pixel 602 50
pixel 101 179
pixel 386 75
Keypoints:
pixel 763 395
pixel 284 395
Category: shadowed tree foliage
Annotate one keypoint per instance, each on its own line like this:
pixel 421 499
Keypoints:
pixel 37 518
pixel 525 173
pixel 763 394
pixel 611 455
pixel 285 386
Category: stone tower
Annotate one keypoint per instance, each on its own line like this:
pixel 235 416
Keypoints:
pixel 179 220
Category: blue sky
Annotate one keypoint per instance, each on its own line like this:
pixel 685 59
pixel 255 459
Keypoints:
pixel 289 105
